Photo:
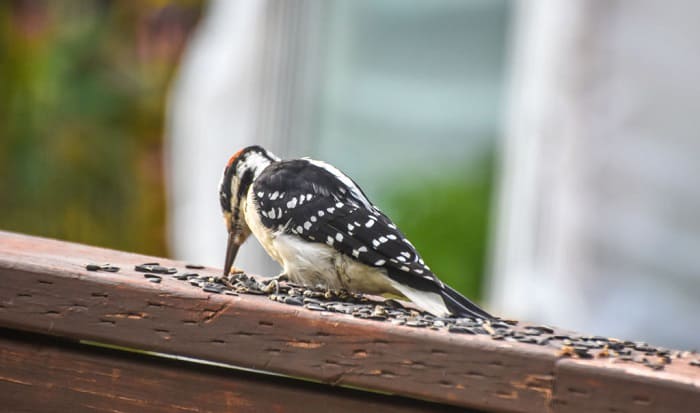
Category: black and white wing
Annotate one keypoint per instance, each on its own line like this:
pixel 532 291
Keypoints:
pixel 309 201
pixel 317 202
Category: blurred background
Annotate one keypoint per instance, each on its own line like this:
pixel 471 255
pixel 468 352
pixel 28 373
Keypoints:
pixel 543 157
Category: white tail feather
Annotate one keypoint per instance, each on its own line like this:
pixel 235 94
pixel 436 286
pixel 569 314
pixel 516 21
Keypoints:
pixel 430 302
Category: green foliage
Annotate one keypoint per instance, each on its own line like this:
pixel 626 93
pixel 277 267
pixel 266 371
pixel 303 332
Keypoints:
pixel 448 221
pixel 82 92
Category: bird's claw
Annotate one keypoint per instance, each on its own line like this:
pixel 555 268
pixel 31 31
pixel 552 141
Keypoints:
pixel 274 283
pixel 224 280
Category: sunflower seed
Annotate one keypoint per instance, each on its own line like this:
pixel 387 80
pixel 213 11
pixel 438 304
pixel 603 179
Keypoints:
pixel 293 301
pixel 109 268
pixel 460 330
pixel 212 288
pixel 314 307
pixel 184 275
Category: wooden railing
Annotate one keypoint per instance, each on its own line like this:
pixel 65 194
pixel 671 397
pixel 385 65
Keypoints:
pixel 54 313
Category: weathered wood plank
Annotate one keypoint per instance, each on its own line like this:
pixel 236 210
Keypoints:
pixel 44 288
pixel 40 375
pixel 605 385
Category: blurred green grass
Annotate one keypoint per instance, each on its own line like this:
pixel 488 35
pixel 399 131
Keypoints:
pixel 447 219
pixel 82 97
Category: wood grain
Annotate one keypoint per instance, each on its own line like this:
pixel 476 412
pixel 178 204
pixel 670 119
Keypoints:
pixel 613 386
pixel 40 375
pixel 44 288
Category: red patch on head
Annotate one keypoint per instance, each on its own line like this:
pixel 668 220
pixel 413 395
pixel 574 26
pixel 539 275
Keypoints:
pixel 234 157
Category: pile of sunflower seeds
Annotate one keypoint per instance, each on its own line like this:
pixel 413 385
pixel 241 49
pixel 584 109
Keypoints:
pixel 394 312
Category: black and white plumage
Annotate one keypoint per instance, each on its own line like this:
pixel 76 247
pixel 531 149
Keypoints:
pixel 319 225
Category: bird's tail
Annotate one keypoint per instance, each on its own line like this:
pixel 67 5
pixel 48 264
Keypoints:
pixel 461 306
pixel 436 297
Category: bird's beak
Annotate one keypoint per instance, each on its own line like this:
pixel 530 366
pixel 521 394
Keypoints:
pixel 234 242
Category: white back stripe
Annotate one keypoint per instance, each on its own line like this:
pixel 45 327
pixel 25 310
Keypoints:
pixel 356 192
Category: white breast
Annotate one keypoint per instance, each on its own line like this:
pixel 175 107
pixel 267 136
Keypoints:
pixel 264 235
pixel 308 263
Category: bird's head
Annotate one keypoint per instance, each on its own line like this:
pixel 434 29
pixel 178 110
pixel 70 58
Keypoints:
pixel 240 172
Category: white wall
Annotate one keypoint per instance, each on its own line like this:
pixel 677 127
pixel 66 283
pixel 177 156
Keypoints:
pixel 599 210
pixel 243 80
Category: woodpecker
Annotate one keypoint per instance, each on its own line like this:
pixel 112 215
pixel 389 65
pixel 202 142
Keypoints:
pixel 318 224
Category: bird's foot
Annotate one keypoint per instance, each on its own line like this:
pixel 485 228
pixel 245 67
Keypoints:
pixel 281 277
pixel 274 283
pixel 223 280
